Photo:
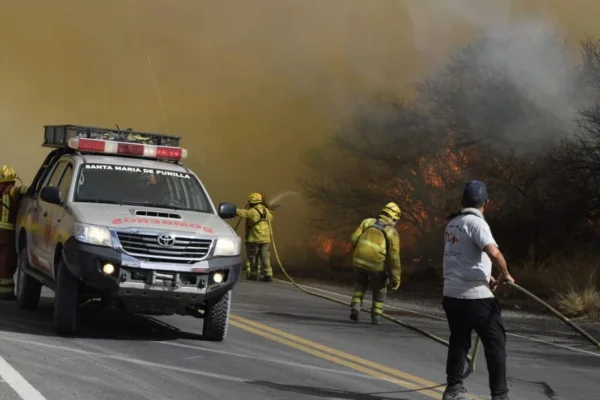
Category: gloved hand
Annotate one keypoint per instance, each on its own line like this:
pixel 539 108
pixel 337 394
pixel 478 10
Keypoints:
pixel 395 284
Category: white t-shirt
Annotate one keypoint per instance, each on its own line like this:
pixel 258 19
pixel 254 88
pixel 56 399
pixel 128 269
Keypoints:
pixel 467 268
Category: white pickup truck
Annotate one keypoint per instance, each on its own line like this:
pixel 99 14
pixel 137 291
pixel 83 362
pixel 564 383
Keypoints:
pixel 114 215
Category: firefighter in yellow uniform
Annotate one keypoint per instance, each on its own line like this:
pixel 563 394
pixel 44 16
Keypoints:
pixel 258 236
pixel 376 260
pixel 271 207
pixel 10 196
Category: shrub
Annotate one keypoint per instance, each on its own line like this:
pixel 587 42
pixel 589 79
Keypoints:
pixel 581 300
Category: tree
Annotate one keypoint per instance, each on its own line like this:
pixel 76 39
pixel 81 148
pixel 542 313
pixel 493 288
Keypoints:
pixel 475 118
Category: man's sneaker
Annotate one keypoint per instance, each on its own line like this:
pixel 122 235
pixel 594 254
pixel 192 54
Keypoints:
pixel 456 393
pixel 375 319
pixel 501 397
pixel 355 312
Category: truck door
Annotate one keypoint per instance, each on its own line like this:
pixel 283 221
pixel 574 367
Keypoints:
pixel 40 236
pixel 56 213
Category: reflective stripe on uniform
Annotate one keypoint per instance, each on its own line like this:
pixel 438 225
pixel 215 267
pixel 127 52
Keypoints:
pixel 375 246
pixel 6 286
pixel 375 266
pixel 5 210
pixel 357 297
pixel 377 308
pixel 7 227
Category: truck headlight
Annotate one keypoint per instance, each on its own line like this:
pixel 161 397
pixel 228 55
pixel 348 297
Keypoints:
pixel 93 234
pixel 228 246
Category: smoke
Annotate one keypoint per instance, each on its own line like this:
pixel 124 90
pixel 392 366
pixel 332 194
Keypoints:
pixel 249 85
pixel 528 50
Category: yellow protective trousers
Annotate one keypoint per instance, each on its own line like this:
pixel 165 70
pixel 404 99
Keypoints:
pixel 378 282
pixel 258 253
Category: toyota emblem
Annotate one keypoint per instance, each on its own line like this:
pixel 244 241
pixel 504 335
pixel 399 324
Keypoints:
pixel 166 240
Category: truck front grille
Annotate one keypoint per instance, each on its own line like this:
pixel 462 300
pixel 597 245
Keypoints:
pixel 146 247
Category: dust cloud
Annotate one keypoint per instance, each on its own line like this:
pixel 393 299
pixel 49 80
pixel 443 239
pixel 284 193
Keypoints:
pixel 248 84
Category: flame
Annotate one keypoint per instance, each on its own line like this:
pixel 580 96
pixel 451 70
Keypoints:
pixel 327 245
pixel 444 168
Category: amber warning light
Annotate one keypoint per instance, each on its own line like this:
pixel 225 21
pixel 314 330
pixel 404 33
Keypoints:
pixel 131 149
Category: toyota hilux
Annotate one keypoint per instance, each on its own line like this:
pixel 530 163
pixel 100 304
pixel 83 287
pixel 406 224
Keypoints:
pixel 113 215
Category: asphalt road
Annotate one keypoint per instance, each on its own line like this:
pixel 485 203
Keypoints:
pixel 282 344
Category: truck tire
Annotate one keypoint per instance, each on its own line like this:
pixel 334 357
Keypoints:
pixel 66 301
pixel 28 289
pixel 216 318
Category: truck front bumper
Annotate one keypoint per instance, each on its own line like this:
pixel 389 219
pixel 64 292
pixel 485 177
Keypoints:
pixel 151 288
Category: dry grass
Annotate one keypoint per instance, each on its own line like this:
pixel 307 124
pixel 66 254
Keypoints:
pixel 572 286
pixel 577 303
pixel 583 299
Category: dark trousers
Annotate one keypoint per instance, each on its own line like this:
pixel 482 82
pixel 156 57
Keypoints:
pixel 8 261
pixel 378 281
pixel 483 316
pixel 8 255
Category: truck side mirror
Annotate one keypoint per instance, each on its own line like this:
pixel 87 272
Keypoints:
pixel 51 194
pixel 227 210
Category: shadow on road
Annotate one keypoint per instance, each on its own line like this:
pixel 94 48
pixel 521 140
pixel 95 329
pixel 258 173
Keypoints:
pixel 94 323
pixel 328 393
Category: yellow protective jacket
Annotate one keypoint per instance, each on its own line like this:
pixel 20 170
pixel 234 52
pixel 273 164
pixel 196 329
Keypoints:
pixel 257 227
pixel 370 250
pixel 10 196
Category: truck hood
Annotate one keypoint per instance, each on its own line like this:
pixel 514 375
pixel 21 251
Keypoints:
pixel 149 218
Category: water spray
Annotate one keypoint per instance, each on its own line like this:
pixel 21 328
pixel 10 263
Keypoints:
pixel 282 196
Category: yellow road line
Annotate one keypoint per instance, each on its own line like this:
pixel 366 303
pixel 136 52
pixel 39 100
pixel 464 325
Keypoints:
pixel 338 353
pixel 343 355
pixel 368 371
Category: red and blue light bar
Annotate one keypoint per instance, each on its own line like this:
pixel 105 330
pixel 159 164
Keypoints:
pixel 130 149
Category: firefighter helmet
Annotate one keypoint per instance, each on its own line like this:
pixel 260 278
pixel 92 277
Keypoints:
pixel 8 174
pixel 392 210
pixel 255 198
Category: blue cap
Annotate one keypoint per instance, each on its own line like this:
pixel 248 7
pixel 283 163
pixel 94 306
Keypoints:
pixel 475 194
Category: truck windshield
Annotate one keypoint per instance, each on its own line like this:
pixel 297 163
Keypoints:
pixel 117 184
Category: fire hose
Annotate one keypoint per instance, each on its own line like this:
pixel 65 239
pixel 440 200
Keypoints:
pixel 472 358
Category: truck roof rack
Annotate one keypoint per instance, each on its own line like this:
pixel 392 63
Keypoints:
pixel 57 136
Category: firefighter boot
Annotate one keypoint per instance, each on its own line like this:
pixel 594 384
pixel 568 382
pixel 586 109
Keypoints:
pixel 8 297
pixel 7 288
pixel 375 319
pixel 267 278
pixel 355 312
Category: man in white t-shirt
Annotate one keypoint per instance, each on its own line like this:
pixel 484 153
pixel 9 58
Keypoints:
pixel 469 302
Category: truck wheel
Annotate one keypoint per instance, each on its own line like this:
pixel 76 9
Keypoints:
pixel 28 289
pixel 216 318
pixel 66 301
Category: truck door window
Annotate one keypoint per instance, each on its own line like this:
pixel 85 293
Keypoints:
pixel 56 174
pixel 65 182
